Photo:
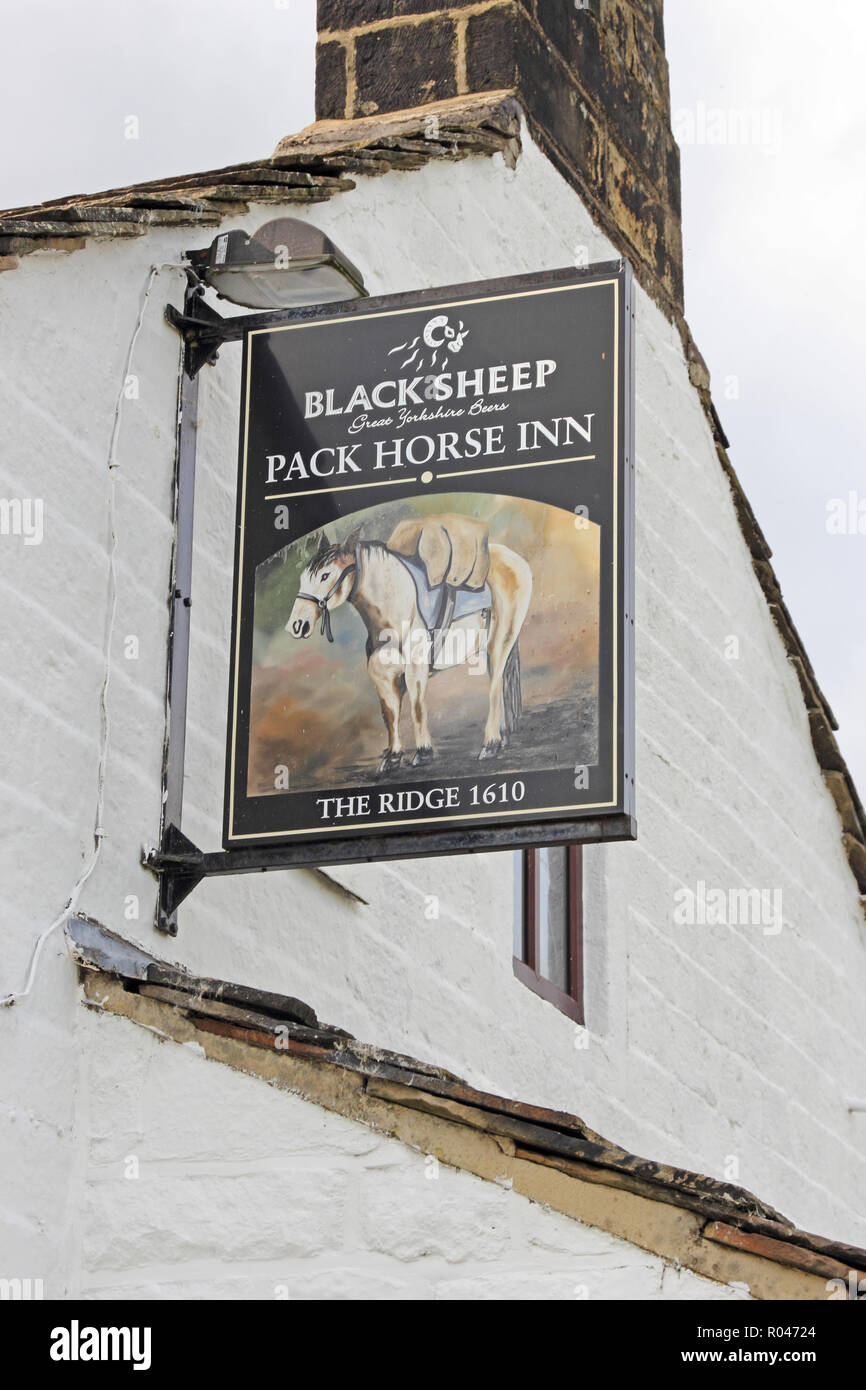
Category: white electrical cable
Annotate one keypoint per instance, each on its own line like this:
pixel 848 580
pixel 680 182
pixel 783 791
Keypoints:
pixel 98 830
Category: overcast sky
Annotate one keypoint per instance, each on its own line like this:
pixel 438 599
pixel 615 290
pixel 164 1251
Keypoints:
pixel 773 218
pixel 776 294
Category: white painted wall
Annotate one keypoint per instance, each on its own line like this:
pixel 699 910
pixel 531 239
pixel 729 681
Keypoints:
pixel 706 1044
pixel 311 1205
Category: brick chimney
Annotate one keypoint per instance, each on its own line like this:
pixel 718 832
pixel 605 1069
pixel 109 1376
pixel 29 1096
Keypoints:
pixel 590 75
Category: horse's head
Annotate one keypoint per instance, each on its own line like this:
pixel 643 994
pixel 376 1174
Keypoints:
pixel 325 584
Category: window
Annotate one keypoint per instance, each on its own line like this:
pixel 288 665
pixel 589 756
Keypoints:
pixel 548 926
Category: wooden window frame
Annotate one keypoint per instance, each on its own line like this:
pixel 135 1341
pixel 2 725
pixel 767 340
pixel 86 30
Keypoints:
pixel 570 1001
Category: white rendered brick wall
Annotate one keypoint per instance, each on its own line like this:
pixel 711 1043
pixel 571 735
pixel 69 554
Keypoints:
pixel 720 1048
pixel 200 1182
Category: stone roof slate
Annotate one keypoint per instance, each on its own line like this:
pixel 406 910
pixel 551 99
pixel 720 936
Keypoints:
pixel 309 167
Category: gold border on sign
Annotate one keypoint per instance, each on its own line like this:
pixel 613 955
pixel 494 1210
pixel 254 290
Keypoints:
pixel 428 820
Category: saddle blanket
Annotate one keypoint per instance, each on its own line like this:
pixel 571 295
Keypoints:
pixel 466 601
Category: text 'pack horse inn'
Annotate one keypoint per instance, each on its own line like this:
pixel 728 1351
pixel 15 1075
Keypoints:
pixel 369 665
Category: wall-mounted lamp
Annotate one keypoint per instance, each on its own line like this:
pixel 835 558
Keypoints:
pixel 287 264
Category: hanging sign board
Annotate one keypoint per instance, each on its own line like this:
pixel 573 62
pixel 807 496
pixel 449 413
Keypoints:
pixel 432 622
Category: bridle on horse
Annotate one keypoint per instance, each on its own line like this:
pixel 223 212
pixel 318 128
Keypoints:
pixel 322 603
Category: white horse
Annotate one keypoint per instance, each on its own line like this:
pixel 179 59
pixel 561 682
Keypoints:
pixel 381 588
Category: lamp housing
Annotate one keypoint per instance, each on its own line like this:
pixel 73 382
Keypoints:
pixel 286 264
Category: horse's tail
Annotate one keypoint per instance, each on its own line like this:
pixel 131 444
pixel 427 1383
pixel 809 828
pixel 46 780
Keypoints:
pixel 512 700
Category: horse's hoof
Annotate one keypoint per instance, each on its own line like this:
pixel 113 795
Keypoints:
pixel 423 755
pixel 491 750
pixel 390 762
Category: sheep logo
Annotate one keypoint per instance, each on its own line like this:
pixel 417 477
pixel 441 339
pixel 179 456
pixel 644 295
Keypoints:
pixel 430 348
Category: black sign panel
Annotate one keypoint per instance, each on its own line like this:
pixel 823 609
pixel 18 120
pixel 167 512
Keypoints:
pixel 432 622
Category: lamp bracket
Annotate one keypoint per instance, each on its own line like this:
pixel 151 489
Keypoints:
pixel 201 328
pixel 204 330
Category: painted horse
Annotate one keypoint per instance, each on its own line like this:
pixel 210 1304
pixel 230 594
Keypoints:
pixel 384 588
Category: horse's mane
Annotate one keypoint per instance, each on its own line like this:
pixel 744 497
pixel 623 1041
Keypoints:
pixel 377 548
pixel 327 557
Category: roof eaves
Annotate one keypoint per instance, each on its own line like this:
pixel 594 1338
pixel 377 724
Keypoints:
pixel 306 168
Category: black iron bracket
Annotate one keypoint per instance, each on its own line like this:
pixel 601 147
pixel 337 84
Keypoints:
pixel 204 330
pixel 181 865
pixel 195 354
pixel 200 326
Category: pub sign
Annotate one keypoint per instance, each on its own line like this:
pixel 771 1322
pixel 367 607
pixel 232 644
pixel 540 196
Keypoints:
pixel 432 622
